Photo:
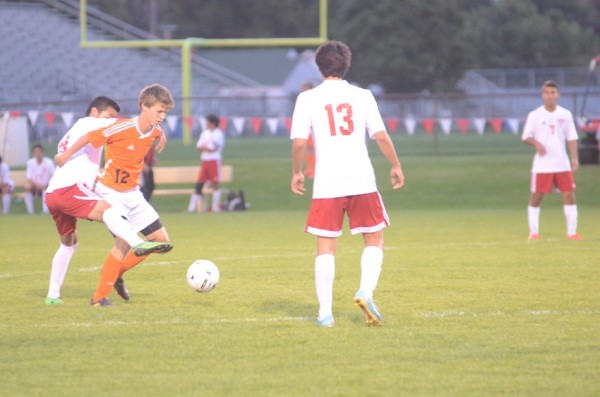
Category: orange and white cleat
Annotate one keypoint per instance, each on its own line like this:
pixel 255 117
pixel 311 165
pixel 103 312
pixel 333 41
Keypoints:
pixel 533 236
pixel 575 237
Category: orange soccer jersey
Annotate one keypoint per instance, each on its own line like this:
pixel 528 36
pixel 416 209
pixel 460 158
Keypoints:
pixel 126 147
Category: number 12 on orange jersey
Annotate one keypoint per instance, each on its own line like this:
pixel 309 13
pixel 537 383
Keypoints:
pixel 345 109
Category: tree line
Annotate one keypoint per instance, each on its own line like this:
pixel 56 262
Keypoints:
pixel 404 45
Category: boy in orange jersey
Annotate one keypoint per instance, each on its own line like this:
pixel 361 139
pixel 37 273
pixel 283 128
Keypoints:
pixel 127 142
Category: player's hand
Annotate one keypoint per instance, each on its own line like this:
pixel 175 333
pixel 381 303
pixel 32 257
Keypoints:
pixel 60 159
pixel 162 142
pixel 297 184
pixel 574 164
pixel 397 177
pixel 540 149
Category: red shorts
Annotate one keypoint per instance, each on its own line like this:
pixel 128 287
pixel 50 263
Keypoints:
pixel 542 183
pixel 68 204
pixel 365 211
pixel 210 171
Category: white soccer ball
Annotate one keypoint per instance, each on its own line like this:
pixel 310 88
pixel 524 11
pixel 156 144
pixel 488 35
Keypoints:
pixel 203 275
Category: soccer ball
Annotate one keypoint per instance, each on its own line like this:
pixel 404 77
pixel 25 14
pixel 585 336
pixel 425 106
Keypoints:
pixel 203 275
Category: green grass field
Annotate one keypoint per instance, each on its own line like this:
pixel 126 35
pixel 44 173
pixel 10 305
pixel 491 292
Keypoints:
pixel 470 307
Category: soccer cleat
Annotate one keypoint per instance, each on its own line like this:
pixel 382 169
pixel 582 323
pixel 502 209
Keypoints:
pixel 326 322
pixel 372 315
pixel 533 236
pixel 121 289
pixel 152 247
pixel 53 301
pixel 102 302
pixel 575 237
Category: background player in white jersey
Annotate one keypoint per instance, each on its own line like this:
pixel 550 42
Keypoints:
pixel 339 115
pixel 210 145
pixel 70 195
pixel 38 172
pixel 547 129
pixel 6 186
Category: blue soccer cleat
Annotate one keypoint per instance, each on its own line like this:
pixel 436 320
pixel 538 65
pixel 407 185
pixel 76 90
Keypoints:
pixel 101 303
pixel 326 322
pixel 372 315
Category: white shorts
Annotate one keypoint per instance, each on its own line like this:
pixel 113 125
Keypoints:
pixel 131 204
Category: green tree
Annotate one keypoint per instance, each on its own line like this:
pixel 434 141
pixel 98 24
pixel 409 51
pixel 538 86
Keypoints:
pixel 405 45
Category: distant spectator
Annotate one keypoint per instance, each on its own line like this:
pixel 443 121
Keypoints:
pixel 147 180
pixel 210 145
pixel 39 171
pixel 6 186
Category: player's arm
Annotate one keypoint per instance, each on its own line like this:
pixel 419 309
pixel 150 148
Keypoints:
pixel 298 153
pixel 539 148
pixel 572 145
pixel 387 148
pixel 61 158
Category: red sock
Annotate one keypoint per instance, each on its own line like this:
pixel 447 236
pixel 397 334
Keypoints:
pixel 130 261
pixel 108 276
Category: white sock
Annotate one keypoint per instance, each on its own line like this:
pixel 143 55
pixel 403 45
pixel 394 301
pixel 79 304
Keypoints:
pixel 324 275
pixel 29 202
pixel 216 201
pixel 533 216
pixel 193 202
pixel 60 265
pixel 6 198
pixel 571 218
pixel 44 206
pixel 120 227
pixel 370 265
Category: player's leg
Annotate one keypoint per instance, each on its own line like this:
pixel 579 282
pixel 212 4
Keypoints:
pixel 368 216
pixel 540 184
pixel 110 273
pixel 6 197
pixel 566 185
pixel 325 221
pixel 60 265
pixel 196 199
pixel 215 177
pixel 29 196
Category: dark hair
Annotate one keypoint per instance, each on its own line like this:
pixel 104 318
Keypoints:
pixel 102 103
pixel 551 83
pixel 213 119
pixel 37 145
pixel 333 59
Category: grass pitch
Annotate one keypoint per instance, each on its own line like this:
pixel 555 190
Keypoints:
pixel 470 307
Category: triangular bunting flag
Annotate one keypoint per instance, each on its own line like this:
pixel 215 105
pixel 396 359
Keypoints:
pixel 49 117
pixel 513 125
pixel 67 118
pixel 172 122
pixel 238 124
pixel 273 124
pixel 6 115
pixel 256 123
pixel 392 125
pixel 33 116
pixel 189 121
pixel 410 125
pixel 288 124
pixel 496 124
pixel 463 126
pixel 223 124
pixel 15 113
pixel 580 121
pixel 202 121
pixel 479 125
pixel 446 125
pixel 428 125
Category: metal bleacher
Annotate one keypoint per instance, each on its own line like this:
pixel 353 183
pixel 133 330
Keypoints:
pixel 43 62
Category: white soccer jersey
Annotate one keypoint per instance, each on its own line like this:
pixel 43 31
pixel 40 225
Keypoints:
pixel 553 130
pixel 5 174
pixel 214 139
pixel 339 116
pixel 40 173
pixel 83 165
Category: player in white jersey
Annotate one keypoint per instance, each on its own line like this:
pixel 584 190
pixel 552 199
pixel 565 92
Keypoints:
pixel 38 172
pixel 70 196
pixel 210 145
pixel 6 186
pixel 339 116
pixel 547 129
